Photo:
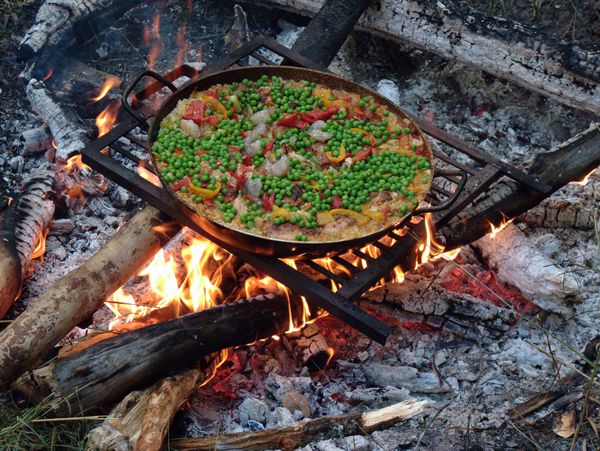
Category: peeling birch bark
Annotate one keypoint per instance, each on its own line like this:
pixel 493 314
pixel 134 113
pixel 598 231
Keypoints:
pixel 510 50
pixel 519 263
pixel 63 124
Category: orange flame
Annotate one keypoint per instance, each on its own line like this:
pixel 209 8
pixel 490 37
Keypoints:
pixel 152 38
pixel 429 249
pixel 107 118
pixel 497 229
pixel 75 162
pixel 182 45
pixel 148 175
pixel 584 181
pixel 109 83
pixel 40 247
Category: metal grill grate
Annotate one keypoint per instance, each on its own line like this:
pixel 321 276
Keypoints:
pixel 455 185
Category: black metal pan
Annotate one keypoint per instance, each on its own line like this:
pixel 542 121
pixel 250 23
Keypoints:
pixel 243 239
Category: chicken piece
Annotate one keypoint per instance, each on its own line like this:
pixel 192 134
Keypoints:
pixel 339 225
pixel 279 168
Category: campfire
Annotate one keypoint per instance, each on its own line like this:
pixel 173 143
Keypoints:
pixel 473 321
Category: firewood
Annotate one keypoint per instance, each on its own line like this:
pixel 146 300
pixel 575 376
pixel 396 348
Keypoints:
pixel 309 347
pixel 70 137
pixel 75 297
pixel 35 140
pixel 56 20
pixel 300 434
pixel 569 208
pixel 570 161
pixel 25 220
pixel 519 263
pixel 507 49
pixel 418 301
pixel 106 371
pixel 141 421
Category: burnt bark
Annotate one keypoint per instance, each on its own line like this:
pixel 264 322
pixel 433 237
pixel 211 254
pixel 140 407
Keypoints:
pixel 75 297
pixel 325 34
pixel 544 64
pixel 570 161
pixel 106 371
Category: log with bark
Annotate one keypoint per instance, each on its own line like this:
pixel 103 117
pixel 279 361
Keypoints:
pixel 78 295
pixel 24 223
pixel 300 434
pixel 518 262
pixel 557 69
pixel 106 371
pixel 570 161
pixel 309 347
pixel 415 300
pixel 64 125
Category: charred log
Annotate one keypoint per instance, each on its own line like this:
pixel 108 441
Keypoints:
pixel 297 435
pixel 570 161
pixel 325 34
pixel 25 221
pixel 416 301
pixel 75 297
pixel 105 372
pixel 63 124
pixel 309 347
pixel 557 69
pixel 35 140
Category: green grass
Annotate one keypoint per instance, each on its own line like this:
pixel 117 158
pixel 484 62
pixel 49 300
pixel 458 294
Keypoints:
pixel 30 429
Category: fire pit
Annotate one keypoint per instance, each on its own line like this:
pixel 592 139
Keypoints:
pixel 470 296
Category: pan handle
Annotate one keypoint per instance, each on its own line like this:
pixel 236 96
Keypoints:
pixel 448 202
pixel 125 96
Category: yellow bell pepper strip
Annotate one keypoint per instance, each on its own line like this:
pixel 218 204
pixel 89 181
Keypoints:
pixel 341 156
pixel 217 106
pixel 376 216
pixel 360 218
pixel 324 218
pixel 206 193
pixel 279 212
pixel 324 94
pixel 364 132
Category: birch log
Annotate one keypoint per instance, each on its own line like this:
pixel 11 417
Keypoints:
pixel 64 125
pixel 76 296
pixel 24 223
pixel 513 51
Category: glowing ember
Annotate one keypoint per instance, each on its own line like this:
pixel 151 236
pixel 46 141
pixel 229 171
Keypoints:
pixel 109 83
pixel 48 74
pixel 584 181
pixel 107 118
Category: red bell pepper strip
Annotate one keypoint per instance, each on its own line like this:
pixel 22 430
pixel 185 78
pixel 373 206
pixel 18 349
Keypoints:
pixel 212 94
pixel 268 147
pixel 336 202
pixel 293 120
pixel 247 160
pixel 268 200
pixel 195 112
pixel 176 186
pixel 240 178
pixel 362 154
pixel 319 115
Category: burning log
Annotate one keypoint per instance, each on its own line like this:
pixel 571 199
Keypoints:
pixel 105 371
pixel 35 140
pixel 570 209
pixel 522 265
pixel 25 223
pixel 70 138
pixel 75 297
pixel 297 435
pixel 502 48
pixel 416 301
pixel 309 347
pixel 568 162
